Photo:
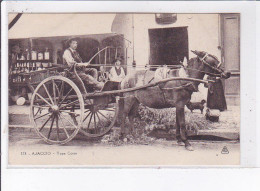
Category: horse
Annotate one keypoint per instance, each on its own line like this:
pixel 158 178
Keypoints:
pixel 176 93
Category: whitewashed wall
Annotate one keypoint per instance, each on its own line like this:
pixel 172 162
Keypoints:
pixel 203 34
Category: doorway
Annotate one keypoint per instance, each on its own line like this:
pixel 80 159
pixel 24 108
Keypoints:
pixel 230 48
pixel 168 46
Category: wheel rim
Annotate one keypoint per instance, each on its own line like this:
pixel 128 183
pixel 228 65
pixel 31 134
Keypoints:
pixel 53 102
pixel 99 119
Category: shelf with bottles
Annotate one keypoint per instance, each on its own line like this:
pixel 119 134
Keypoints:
pixel 31 61
pixel 30 66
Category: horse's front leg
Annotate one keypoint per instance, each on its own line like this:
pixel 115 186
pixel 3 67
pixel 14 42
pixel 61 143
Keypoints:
pixel 183 134
pixel 127 107
pixel 178 134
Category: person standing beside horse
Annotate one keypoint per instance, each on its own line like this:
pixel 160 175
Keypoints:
pixel 216 97
pixel 216 101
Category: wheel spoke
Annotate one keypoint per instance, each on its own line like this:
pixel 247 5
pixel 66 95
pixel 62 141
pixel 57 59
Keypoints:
pixel 57 126
pixel 39 109
pixel 45 123
pixel 49 134
pixel 74 118
pixel 56 86
pixel 54 91
pixel 65 97
pixel 61 91
pixel 41 116
pixel 104 116
pixel 98 117
pixel 43 99
pixel 90 120
pixel 87 110
pixel 64 128
pixel 86 116
pixel 48 93
pixel 95 125
pixel 68 121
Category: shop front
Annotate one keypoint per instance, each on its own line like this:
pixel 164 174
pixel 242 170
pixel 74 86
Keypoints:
pixel 35 56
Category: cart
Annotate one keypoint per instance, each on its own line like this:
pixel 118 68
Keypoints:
pixel 61 108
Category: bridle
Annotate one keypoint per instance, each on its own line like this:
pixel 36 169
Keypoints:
pixel 216 69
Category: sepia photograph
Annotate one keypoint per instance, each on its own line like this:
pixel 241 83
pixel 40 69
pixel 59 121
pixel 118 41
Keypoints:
pixel 124 89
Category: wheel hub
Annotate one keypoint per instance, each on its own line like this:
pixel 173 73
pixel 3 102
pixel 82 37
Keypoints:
pixel 54 109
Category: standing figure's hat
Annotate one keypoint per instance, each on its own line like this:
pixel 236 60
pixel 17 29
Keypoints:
pixel 118 59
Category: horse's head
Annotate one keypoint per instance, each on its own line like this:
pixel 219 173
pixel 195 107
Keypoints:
pixel 210 65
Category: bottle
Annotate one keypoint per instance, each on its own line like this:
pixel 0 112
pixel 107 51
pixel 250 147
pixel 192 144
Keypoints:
pixel 40 66
pixel 27 54
pixel 23 56
pixel 46 54
pixel 40 56
pixel 17 66
pixel 22 67
pixel 34 55
pixel 28 67
pixel 33 67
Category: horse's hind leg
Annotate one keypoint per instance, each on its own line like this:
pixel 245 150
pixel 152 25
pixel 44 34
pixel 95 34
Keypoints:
pixel 181 119
pixel 132 114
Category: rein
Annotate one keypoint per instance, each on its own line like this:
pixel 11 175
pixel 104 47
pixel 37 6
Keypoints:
pixel 208 73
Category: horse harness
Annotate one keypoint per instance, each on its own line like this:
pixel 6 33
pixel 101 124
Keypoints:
pixel 191 86
pixel 216 69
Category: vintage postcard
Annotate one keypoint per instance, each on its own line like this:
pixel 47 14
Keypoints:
pixel 132 89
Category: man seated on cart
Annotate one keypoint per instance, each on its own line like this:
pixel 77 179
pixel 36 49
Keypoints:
pixel 87 75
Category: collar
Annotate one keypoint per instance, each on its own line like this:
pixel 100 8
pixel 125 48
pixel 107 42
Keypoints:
pixel 72 50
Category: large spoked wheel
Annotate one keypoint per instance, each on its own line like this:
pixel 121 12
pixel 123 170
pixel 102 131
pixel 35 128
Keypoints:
pixel 53 103
pixel 99 118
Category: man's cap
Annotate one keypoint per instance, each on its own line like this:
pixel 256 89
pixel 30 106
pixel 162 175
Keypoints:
pixel 70 40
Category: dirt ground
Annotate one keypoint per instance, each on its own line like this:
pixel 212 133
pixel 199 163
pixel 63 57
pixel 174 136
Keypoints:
pixel 25 148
